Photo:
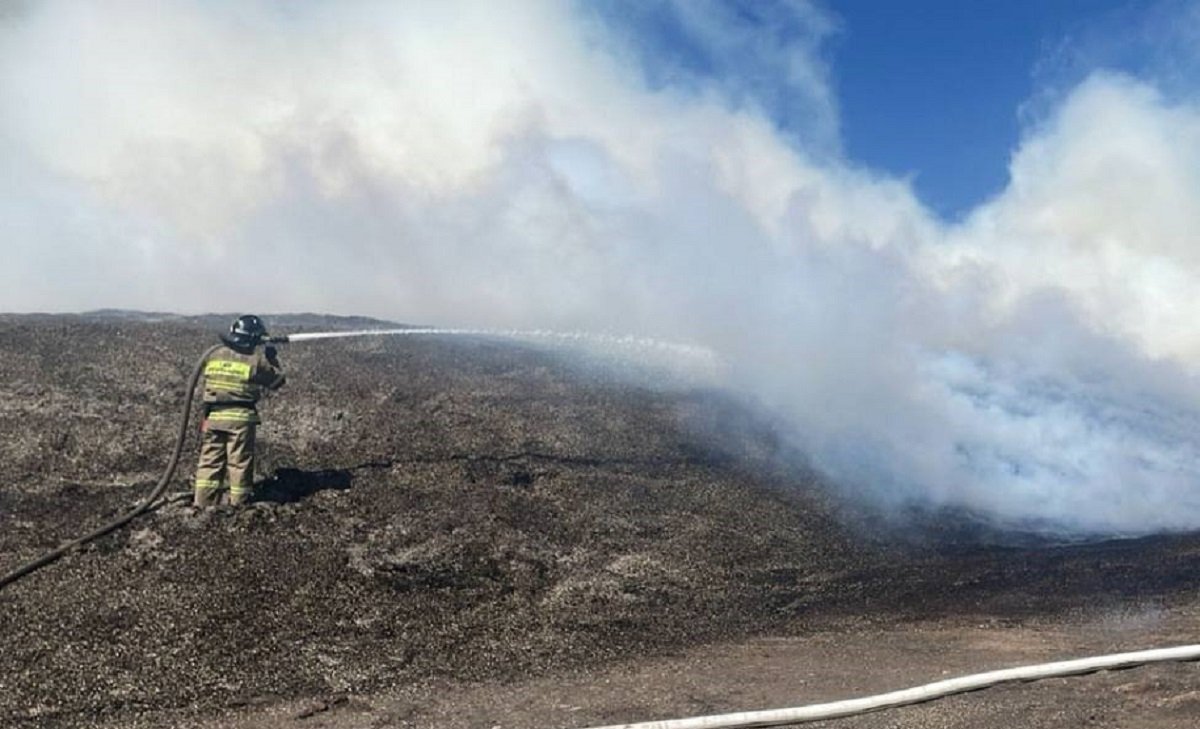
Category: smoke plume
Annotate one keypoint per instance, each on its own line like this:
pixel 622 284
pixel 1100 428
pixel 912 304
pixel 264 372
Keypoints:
pixel 528 165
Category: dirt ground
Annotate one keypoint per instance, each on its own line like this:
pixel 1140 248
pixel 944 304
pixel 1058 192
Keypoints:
pixel 776 672
pixel 477 533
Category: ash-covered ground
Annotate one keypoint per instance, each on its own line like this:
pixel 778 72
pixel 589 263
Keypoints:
pixel 449 530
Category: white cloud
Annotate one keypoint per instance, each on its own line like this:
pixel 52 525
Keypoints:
pixel 1104 206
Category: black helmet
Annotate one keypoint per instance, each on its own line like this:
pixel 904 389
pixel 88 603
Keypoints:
pixel 248 330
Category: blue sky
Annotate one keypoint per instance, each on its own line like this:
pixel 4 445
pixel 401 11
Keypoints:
pixel 935 91
pixel 933 88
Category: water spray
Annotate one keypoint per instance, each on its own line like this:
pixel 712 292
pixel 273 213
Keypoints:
pixel 617 341
pixel 686 362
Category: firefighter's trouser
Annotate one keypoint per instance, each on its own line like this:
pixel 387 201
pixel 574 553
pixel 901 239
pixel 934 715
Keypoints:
pixel 226 457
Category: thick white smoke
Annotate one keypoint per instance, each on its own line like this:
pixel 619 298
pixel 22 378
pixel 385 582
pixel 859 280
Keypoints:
pixel 482 164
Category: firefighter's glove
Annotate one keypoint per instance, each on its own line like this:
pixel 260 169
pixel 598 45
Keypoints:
pixel 272 354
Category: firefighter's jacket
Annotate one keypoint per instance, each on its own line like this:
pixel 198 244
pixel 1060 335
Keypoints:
pixel 234 380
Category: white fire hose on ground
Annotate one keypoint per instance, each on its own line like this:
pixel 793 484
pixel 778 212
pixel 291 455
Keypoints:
pixel 921 694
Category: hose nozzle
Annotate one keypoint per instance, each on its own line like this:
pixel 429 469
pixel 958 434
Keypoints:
pixel 276 339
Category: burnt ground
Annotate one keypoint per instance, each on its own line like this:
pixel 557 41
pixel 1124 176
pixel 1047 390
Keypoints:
pixel 469 532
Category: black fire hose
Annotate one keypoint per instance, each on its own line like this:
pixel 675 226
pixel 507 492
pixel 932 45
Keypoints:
pixel 143 506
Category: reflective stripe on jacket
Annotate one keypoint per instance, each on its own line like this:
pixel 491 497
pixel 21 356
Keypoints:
pixel 234 380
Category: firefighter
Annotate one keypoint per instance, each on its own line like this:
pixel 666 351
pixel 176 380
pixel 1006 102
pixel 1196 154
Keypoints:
pixel 234 379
